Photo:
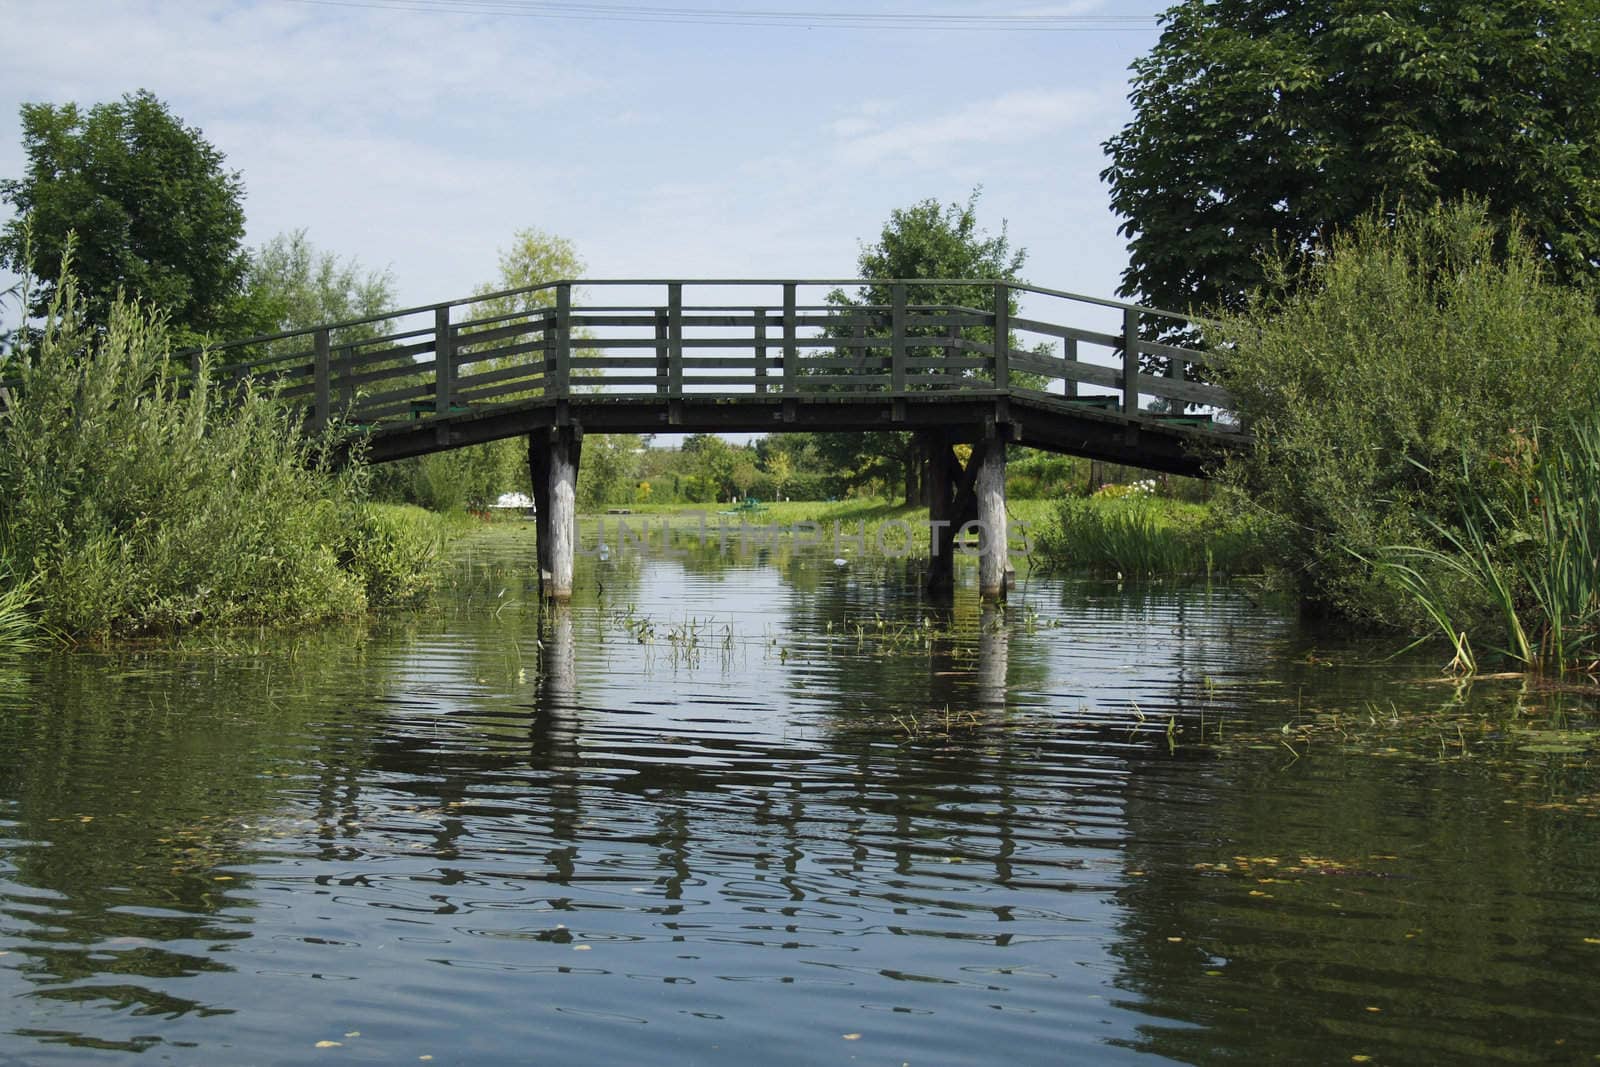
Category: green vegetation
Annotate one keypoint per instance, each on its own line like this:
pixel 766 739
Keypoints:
pixel 155 216
pixel 1527 569
pixel 926 240
pixel 1263 127
pixel 1128 531
pixel 1397 396
pixel 136 500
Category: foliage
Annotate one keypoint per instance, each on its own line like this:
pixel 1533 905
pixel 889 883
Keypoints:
pixel 1528 568
pixel 1400 373
pixel 1264 126
pixel 606 474
pixel 1137 535
pixel 464 478
pixel 17 627
pixel 533 258
pixel 925 240
pixel 156 216
pixel 293 286
pixel 140 506
pixel 475 476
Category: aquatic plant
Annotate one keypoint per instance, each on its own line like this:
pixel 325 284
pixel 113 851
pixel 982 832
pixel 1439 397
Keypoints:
pixel 1527 569
pixel 1136 535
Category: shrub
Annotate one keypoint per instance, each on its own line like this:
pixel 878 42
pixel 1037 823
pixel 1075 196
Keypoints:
pixel 142 502
pixel 1400 374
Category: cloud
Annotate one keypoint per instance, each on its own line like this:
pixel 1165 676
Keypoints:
pixel 1009 120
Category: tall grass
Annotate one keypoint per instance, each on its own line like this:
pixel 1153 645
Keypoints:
pixel 1521 579
pixel 1140 536
pixel 136 501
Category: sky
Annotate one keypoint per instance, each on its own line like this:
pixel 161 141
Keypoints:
pixel 418 135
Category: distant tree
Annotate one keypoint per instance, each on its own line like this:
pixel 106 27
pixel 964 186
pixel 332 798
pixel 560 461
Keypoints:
pixel 1262 126
pixel 155 214
pixel 926 240
pixel 606 475
pixel 534 258
pixel 290 285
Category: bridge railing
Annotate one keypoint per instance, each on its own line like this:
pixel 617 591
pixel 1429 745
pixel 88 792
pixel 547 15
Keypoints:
pixel 728 338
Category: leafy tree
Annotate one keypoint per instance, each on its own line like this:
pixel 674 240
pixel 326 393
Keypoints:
pixel 290 285
pixel 476 475
pixel 925 240
pixel 155 214
pixel 1264 125
pixel 533 258
pixel 606 475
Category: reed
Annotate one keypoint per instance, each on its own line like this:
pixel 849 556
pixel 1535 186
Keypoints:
pixel 1520 579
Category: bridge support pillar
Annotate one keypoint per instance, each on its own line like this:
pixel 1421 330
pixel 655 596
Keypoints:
pixel 940 488
pixel 989 486
pixel 553 456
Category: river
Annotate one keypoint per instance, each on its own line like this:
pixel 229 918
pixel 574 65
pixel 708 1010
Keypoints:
pixel 744 805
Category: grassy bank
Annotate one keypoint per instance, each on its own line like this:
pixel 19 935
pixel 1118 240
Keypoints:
pixel 1139 535
pixel 852 516
pixel 138 500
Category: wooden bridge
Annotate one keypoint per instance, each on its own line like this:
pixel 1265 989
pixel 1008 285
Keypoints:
pixel 956 361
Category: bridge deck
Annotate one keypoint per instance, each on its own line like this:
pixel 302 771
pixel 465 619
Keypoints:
pixel 1069 374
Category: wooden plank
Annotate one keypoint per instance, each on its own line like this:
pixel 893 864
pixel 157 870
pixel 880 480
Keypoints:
pixel 323 370
pixel 1130 361
pixel 503 352
pixel 897 340
pixel 501 374
pixel 561 380
pixel 1002 343
pixel 791 355
pixel 1190 392
pixel 674 339
pixel 441 358
pixel 761 349
pixel 1108 340
pixel 465 339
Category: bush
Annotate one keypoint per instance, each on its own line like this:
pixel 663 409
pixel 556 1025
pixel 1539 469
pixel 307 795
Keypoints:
pixel 1137 535
pixel 141 502
pixel 1400 374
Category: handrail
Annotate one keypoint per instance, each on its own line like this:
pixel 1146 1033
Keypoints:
pixel 726 282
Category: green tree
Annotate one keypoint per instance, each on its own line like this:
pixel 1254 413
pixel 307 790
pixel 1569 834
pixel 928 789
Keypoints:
pixel 606 475
pixel 533 258
pixel 925 240
pixel 156 215
pixel 291 285
pixel 1261 126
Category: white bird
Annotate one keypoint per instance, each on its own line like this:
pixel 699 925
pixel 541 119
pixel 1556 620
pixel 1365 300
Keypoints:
pixel 605 550
pixel 841 562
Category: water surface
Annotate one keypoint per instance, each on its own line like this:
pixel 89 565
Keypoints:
pixel 731 807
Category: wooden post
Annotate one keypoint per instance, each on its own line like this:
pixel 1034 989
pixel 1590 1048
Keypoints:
pixel 791 350
pixel 1002 336
pixel 1069 352
pixel 443 352
pixel 539 473
pixel 675 339
pixel 563 382
pixel 1130 362
pixel 1174 372
pixel 897 337
pixel 761 350
pixel 990 487
pixel 322 373
pixel 941 513
pixel 661 351
pixel 563 446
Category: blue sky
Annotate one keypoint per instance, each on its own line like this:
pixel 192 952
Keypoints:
pixel 419 140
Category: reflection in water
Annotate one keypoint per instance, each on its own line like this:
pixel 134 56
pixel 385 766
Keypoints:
pixel 721 808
